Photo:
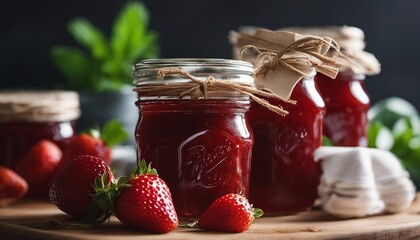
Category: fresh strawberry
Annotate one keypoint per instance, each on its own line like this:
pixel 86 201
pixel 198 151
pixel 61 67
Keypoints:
pixel 146 205
pixel 96 143
pixel 12 186
pixel 72 189
pixel 229 213
pixel 142 201
pixel 85 144
pixel 39 166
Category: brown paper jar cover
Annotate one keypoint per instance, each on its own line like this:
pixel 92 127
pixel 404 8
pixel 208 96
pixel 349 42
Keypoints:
pixel 352 43
pixel 284 55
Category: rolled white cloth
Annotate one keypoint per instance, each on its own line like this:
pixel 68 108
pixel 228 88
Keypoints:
pixel 358 182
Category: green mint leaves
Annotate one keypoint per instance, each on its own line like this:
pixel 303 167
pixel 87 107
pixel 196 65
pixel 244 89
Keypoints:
pixel 103 64
pixel 395 126
pixel 89 37
pixel 379 136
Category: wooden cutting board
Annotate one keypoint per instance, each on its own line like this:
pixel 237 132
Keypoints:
pixel 42 220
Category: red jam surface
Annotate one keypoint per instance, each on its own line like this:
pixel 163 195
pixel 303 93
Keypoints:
pixel 201 149
pixel 347 102
pixel 18 137
pixel 284 175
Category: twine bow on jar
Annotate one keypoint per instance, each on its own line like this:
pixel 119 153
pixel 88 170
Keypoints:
pixel 199 89
pixel 352 43
pixel 295 57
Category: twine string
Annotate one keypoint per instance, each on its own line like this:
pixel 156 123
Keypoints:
pixel 199 88
pixel 297 57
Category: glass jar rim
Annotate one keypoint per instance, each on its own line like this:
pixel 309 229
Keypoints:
pixel 145 71
pixel 192 61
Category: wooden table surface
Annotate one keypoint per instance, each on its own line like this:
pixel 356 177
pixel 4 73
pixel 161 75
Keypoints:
pixel 42 220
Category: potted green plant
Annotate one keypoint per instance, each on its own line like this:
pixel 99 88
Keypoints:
pixel 101 69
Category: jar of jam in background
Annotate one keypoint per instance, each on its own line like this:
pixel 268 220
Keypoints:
pixel 347 102
pixel 200 148
pixel 26 117
pixel 346 99
pixel 284 175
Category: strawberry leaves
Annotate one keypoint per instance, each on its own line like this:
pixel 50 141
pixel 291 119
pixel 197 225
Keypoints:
pixel 257 213
pixel 103 201
pixel 143 169
pixel 112 133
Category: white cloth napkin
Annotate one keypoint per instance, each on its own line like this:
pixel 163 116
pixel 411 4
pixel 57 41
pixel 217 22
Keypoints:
pixel 358 182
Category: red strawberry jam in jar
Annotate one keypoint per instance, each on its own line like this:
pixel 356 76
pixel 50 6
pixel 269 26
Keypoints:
pixel 284 175
pixel 26 117
pixel 345 97
pixel 199 144
pixel 347 102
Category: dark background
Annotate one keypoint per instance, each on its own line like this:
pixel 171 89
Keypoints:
pixel 198 28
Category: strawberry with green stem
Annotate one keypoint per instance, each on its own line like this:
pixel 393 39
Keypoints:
pixel 106 192
pixel 72 189
pixel 229 213
pixel 95 142
pixel 147 204
pixel 142 201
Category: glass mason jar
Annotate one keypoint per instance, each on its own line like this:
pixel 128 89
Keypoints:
pixel 200 148
pixel 284 175
pixel 347 102
pixel 27 117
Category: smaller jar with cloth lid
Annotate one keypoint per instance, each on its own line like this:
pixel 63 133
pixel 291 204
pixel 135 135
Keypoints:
pixel 284 174
pixel 346 98
pixel 27 117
